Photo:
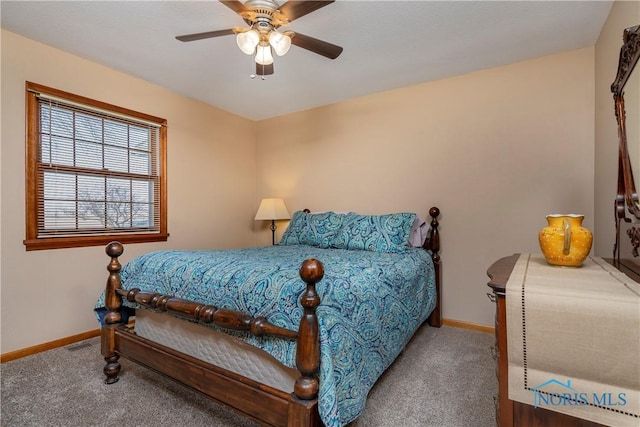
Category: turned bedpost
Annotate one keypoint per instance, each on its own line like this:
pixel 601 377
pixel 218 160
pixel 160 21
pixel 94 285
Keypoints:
pixel 433 244
pixel 308 346
pixel 112 302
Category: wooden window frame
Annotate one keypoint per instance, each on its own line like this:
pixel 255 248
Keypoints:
pixel 33 178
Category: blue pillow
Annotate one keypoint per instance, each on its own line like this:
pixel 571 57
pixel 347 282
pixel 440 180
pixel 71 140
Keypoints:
pixel 312 229
pixel 376 233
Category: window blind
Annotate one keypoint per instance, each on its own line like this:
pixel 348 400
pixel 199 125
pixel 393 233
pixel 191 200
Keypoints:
pixel 98 171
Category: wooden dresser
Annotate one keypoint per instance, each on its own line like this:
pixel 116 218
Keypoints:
pixel 508 412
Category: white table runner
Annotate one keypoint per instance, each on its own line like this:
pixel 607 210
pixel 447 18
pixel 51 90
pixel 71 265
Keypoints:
pixel 574 339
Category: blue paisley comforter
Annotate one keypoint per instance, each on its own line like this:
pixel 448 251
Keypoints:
pixel 371 304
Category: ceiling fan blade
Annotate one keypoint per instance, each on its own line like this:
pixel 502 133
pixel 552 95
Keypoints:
pixel 295 9
pixel 206 35
pixel 234 5
pixel 264 70
pixel 320 47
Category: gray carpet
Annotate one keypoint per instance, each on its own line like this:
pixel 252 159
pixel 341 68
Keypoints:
pixel 445 377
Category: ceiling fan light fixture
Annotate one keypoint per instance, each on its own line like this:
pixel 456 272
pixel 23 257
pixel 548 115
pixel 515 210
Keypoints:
pixel 263 55
pixel 280 42
pixel 260 38
pixel 247 41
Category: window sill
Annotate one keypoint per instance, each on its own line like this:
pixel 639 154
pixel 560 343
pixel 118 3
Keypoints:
pixel 78 242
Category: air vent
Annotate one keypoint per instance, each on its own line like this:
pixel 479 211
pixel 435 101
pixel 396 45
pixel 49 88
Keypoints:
pixel 79 346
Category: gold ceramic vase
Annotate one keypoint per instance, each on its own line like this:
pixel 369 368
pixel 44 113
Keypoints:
pixel 565 241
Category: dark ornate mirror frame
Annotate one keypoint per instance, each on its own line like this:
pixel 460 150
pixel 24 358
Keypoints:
pixel 627 204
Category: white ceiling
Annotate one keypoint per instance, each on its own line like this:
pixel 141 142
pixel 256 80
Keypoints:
pixel 387 44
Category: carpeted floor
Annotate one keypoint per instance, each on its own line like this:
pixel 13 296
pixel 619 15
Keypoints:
pixel 445 378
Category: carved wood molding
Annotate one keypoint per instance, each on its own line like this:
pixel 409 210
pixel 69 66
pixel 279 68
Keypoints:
pixel 634 235
pixel 629 55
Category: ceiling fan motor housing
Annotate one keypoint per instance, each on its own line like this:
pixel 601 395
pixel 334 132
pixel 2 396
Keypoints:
pixel 264 13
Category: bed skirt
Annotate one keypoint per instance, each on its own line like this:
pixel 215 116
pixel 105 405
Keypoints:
pixel 574 339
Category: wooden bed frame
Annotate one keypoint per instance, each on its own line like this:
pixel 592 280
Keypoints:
pixel 256 401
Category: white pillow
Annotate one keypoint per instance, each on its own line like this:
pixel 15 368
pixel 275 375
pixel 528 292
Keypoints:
pixel 418 233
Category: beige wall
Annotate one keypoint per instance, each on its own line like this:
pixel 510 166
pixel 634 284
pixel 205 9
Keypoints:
pixel 506 145
pixel 496 150
pixel 623 15
pixel 47 295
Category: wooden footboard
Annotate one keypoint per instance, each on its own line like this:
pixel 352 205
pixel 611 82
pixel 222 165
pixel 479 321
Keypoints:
pixel 252 399
pixel 255 400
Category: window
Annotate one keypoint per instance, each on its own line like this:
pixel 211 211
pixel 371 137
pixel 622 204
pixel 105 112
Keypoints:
pixel 95 172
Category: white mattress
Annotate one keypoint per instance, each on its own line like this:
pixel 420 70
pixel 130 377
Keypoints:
pixel 215 347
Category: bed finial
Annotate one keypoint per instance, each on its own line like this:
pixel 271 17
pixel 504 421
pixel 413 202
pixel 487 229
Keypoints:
pixel 311 270
pixel 114 249
pixel 112 302
pixel 433 244
pixel 308 348
pixel 433 239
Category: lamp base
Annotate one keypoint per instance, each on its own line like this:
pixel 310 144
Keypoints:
pixel 273 232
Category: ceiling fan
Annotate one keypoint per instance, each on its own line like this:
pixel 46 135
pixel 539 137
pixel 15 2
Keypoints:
pixel 262 37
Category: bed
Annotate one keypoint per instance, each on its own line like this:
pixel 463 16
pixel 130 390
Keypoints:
pixel 294 334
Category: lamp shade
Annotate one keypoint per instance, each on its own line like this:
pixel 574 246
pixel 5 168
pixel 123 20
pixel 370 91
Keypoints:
pixel 271 209
pixel 280 42
pixel 263 55
pixel 247 41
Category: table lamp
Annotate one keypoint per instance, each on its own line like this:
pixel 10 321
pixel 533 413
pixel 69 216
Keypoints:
pixel 272 209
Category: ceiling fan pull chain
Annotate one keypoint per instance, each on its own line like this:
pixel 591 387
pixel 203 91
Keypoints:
pixel 253 67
